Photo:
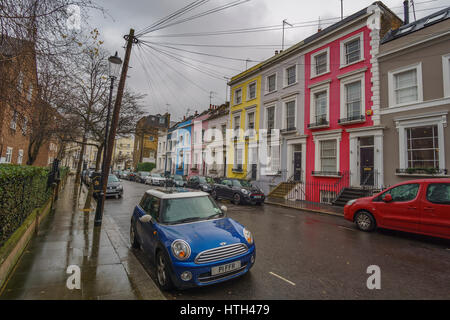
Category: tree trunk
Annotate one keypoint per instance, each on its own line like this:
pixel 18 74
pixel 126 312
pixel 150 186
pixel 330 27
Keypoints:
pixel 80 161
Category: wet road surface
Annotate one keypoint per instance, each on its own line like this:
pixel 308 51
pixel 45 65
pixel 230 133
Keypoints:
pixel 303 255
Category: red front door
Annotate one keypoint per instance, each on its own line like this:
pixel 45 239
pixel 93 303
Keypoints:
pixel 435 218
pixel 403 212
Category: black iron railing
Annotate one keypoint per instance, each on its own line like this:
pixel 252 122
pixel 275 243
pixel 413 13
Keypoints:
pixel 327 173
pixel 320 121
pixel 352 119
pixel 432 171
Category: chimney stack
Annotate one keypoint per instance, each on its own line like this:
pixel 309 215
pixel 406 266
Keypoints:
pixel 406 11
pixel 276 52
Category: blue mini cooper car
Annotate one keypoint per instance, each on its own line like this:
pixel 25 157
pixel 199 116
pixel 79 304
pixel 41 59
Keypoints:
pixel 190 238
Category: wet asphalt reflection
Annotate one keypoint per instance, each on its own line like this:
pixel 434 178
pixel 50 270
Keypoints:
pixel 303 255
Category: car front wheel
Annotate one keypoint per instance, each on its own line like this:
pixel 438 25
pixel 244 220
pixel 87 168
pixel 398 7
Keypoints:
pixel 162 272
pixel 365 221
pixel 236 199
pixel 133 239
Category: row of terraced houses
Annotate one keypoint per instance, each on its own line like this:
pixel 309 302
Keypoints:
pixel 359 105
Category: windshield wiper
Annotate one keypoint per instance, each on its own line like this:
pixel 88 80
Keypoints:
pixel 213 216
pixel 188 220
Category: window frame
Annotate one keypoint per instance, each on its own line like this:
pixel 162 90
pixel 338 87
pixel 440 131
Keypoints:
pixel 267 83
pixel 9 153
pixel 343 54
pixel 286 77
pixel 391 84
pixel 313 62
pixel 285 113
pixel 313 92
pixel 446 74
pixel 248 90
pixel 235 95
pixel 266 116
pixel 343 83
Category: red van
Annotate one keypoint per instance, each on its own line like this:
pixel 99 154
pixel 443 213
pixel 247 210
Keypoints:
pixel 418 206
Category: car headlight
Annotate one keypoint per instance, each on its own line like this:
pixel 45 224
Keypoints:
pixel 120 187
pixel 181 249
pixel 244 191
pixel 248 236
pixel 350 202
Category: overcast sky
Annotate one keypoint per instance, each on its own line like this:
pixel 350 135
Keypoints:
pixel 181 82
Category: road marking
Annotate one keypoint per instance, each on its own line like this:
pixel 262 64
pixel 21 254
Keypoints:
pixel 287 215
pixel 280 277
pixel 346 228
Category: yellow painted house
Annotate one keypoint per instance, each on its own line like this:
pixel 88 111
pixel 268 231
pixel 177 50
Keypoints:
pixel 244 120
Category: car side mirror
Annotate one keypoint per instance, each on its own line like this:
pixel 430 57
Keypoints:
pixel 387 198
pixel 224 208
pixel 145 218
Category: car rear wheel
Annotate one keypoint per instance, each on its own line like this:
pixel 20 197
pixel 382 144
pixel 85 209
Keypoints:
pixel 133 239
pixel 162 272
pixel 365 221
pixel 237 199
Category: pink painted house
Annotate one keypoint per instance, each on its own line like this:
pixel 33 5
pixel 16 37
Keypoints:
pixel 198 164
pixel 342 121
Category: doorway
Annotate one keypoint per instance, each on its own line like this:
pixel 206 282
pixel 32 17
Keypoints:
pixel 366 161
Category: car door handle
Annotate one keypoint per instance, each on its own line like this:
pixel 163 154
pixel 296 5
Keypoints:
pixel 428 208
pixel 412 208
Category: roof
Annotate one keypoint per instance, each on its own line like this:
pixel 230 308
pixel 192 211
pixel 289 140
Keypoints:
pixel 175 193
pixel 409 28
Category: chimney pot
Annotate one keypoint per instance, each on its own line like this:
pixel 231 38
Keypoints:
pixel 406 11
pixel 276 52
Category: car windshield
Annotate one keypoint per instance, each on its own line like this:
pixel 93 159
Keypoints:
pixel 242 183
pixel 205 180
pixel 112 178
pixel 156 175
pixel 144 174
pixel 176 177
pixel 189 209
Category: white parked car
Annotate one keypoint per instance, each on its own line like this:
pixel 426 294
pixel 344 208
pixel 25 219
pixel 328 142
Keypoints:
pixel 155 179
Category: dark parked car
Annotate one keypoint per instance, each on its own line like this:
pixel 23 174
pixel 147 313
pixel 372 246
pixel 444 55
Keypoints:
pixel 178 180
pixel 239 191
pixel 141 176
pixel 114 187
pixel 200 182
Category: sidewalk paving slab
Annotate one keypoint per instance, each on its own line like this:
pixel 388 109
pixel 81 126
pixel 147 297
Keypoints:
pixel 307 206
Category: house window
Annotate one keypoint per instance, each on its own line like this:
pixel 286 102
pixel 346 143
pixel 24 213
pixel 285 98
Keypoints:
pixel 328 158
pixel 446 74
pixel 423 147
pixel 20 157
pixel 20 82
pixel 251 91
pixel 24 127
pixel 270 118
pixel 320 62
pixel 251 123
pixel 237 158
pixel 30 92
pixel 353 99
pixel 291 76
pixel 14 121
pixel 290 114
pixel 352 50
pixel 9 152
pixel 151 138
pixel 320 106
pixel 274 152
pixel 238 96
pixel 405 85
pixel 237 125
pixel 271 83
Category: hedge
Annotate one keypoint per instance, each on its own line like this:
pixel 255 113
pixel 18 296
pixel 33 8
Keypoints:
pixel 22 189
pixel 146 166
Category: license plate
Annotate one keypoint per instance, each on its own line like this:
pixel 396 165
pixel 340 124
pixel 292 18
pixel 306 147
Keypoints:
pixel 225 268
pixel 257 197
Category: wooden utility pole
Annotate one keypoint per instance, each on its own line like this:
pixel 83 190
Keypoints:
pixel 114 122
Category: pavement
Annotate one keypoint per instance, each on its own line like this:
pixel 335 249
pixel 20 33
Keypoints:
pixel 108 267
pixel 307 206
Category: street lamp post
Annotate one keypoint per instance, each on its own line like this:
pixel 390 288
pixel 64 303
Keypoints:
pixel 114 67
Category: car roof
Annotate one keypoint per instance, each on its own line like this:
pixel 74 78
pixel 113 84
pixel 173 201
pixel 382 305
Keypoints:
pixel 175 193
pixel 427 180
